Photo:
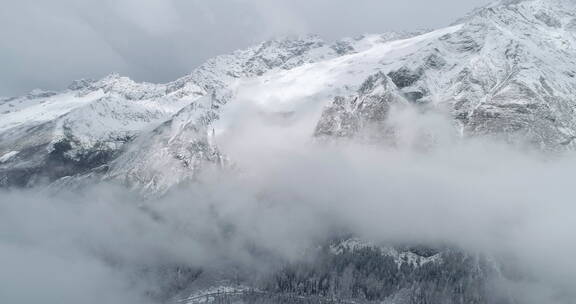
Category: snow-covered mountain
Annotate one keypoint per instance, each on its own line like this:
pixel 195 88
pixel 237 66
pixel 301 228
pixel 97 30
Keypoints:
pixel 506 70
pixel 46 136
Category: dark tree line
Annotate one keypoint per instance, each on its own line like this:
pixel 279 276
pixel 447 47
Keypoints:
pixel 368 275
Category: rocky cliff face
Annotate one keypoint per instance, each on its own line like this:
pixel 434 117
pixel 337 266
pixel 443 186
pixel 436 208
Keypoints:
pixel 505 71
pixel 363 115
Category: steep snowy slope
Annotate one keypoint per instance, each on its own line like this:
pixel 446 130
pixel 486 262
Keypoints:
pixel 506 71
pixel 173 152
pixel 45 135
pixel 515 73
pixel 51 135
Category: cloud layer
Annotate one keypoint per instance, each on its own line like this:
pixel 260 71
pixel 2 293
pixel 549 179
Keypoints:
pixel 488 198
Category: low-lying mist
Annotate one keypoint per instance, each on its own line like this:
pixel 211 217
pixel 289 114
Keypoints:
pixel 95 246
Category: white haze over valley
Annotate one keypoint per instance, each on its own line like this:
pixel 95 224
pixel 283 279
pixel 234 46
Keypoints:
pixel 288 192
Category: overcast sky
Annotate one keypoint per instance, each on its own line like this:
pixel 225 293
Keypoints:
pixel 47 44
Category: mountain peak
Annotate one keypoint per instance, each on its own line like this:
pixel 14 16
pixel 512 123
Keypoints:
pixel 543 10
pixel 508 3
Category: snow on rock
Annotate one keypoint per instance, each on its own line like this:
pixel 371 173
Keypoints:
pixel 37 108
pixel 211 294
pixel 82 127
pixel 400 257
pixel 7 156
pixel 172 153
pixel 367 112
